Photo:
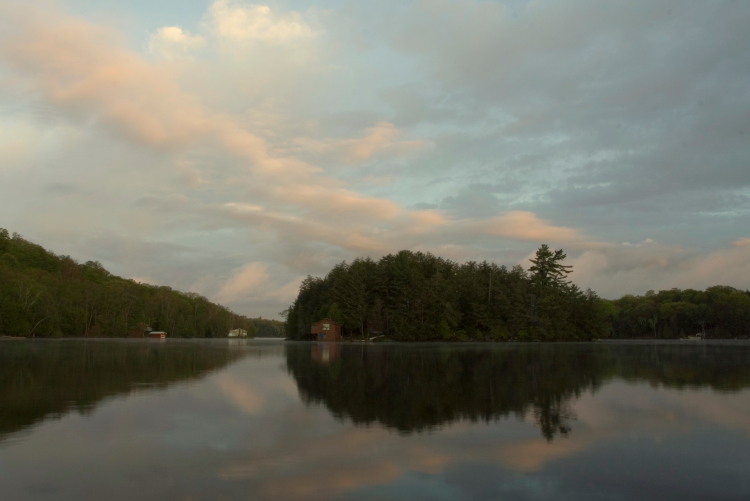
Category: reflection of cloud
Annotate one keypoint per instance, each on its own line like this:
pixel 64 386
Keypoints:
pixel 258 394
pixel 339 460
pixel 240 394
pixel 314 467
pixel 280 449
pixel 533 455
pixel 715 408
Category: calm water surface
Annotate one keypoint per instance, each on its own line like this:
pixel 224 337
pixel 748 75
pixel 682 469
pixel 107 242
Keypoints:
pixel 205 420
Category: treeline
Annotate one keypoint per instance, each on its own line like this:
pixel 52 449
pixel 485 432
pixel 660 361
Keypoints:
pixel 265 327
pixel 718 312
pixel 416 296
pixel 46 295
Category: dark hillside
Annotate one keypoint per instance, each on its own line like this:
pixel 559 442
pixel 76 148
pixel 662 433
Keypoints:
pixel 46 295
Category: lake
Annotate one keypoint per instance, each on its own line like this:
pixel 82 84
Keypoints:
pixel 254 419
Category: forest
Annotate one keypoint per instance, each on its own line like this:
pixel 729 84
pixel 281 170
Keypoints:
pixel 46 295
pixel 416 296
pixel 407 296
pixel 719 312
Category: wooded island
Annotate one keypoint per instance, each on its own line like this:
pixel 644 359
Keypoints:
pixel 416 296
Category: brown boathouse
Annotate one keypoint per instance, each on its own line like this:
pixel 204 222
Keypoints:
pixel 326 330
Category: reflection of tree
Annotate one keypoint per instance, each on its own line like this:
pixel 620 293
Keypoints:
pixel 721 366
pixel 49 378
pixel 413 388
pixel 420 387
pixel 553 418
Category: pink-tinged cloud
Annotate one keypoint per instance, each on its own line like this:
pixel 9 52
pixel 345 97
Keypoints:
pixel 350 235
pixel 730 266
pixel 524 225
pixel 234 22
pixel 382 139
pixel 330 200
pixel 426 221
pixel 616 270
pixel 88 73
pixel 249 278
pixel 87 70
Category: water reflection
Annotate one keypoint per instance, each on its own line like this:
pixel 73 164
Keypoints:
pixel 47 379
pixel 422 387
pixel 376 422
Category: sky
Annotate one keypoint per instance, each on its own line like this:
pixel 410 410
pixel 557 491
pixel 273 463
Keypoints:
pixel 231 148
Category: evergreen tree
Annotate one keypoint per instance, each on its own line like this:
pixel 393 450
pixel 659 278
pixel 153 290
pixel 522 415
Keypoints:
pixel 547 269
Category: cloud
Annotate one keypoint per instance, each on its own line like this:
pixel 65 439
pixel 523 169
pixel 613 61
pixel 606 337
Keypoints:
pixel 234 21
pixel 612 117
pixel 729 266
pixel 525 225
pixel 474 130
pixel 171 42
pixel 149 104
pixel 380 140
pixel 616 270
pixel 381 137
pixel 19 142
pixel 87 71
pixel 250 277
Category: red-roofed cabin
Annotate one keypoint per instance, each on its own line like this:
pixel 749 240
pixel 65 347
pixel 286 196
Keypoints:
pixel 157 335
pixel 326 330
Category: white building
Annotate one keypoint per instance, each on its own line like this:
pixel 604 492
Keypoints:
pixel 237 333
